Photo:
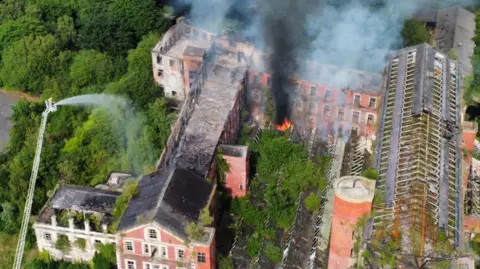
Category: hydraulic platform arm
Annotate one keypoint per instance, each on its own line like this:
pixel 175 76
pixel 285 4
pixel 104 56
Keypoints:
pixel 50 107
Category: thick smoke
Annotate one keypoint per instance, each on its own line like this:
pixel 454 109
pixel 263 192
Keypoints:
pixel 354 34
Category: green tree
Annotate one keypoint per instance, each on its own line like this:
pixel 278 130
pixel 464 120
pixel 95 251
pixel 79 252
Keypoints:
pixel 90 67
pixel 28 61
pixel 65 30
pixel 139 75
pixel 273 253
pixel 312 202
pixel 13 30
pixel 11 10
pixel 414 33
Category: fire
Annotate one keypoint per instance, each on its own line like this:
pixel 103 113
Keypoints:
pixel 284 126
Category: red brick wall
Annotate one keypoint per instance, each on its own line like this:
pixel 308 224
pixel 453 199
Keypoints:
pixel 345 216
pixel 238 175
pixel 335 102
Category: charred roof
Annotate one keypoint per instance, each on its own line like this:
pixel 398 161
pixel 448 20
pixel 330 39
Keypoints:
pixel 84 199
pixel 170 197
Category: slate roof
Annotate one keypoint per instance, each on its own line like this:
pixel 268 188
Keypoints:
pixel 85 199
pixel 172 198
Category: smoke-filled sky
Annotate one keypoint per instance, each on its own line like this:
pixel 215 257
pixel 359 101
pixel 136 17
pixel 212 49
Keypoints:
pixel 349 33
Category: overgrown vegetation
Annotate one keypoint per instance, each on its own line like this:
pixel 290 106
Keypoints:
pixel 81 243
pixel 221 165
pixel 130 190
pixel 273 253
pixel 195 230
pixel 414 33
pixel 312 202
pixel 225 262
pixel 283 171
pixel 370 173
pixel 62 243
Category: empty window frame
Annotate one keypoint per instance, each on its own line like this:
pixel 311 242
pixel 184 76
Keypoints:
pixel 356 116
pixel 160 72
pixel 172 63
pixel 201 258
pixel 159 59
pixel 241 187
pixel 356 99
pixel 326 111
pixel 47 236
pixel 313 90
pixel 312 107
pixel 372 103
pixel 370 119
pixel 341 114
pixel 328 93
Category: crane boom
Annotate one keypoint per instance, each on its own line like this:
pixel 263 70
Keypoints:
pixel 50 107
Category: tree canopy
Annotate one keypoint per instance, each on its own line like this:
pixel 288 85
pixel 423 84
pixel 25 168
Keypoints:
pixel 63 48
pixel 414 33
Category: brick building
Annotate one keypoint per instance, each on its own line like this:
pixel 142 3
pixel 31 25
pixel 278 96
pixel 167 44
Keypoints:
pixel 352 200
pixel 152 230
pixel 319 104
pixel 236 179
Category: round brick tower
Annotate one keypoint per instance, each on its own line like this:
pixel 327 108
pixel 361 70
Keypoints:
pixel 353 198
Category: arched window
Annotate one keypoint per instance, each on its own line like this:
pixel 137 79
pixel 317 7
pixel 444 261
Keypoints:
pixel 152 234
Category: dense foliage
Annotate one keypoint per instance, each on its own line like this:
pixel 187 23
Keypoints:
pixel 59 49
pixel 414 33
pixel 283 171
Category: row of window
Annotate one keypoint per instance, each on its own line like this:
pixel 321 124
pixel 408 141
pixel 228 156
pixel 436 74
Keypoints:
pixel 160 251
pixel 48 238
pixel 130 264
pixel 171 62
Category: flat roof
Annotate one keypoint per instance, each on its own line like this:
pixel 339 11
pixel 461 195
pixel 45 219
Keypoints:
pixel 84 199
pixel 355 189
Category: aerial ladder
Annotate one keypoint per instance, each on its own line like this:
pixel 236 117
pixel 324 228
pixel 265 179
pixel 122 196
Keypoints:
pixel 50 107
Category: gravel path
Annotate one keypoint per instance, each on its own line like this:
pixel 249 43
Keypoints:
pixel 6 101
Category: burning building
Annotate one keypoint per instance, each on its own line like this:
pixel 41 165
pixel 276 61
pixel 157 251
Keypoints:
pixel 316 104
pixel 419 156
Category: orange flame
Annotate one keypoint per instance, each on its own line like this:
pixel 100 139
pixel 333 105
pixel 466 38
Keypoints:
pixel 284 126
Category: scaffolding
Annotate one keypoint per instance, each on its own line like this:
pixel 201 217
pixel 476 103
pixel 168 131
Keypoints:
pixel 419 151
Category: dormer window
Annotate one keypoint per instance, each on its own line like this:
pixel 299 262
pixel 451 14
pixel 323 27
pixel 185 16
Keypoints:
pixel 152 234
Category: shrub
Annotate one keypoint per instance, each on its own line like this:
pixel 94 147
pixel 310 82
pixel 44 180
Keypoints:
pixel 129 190
pixel 226 263
pixel 62 243
pixel 273 253
pixel 370 173
pixel 254 245
pixel 81 243
pixel 312 202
